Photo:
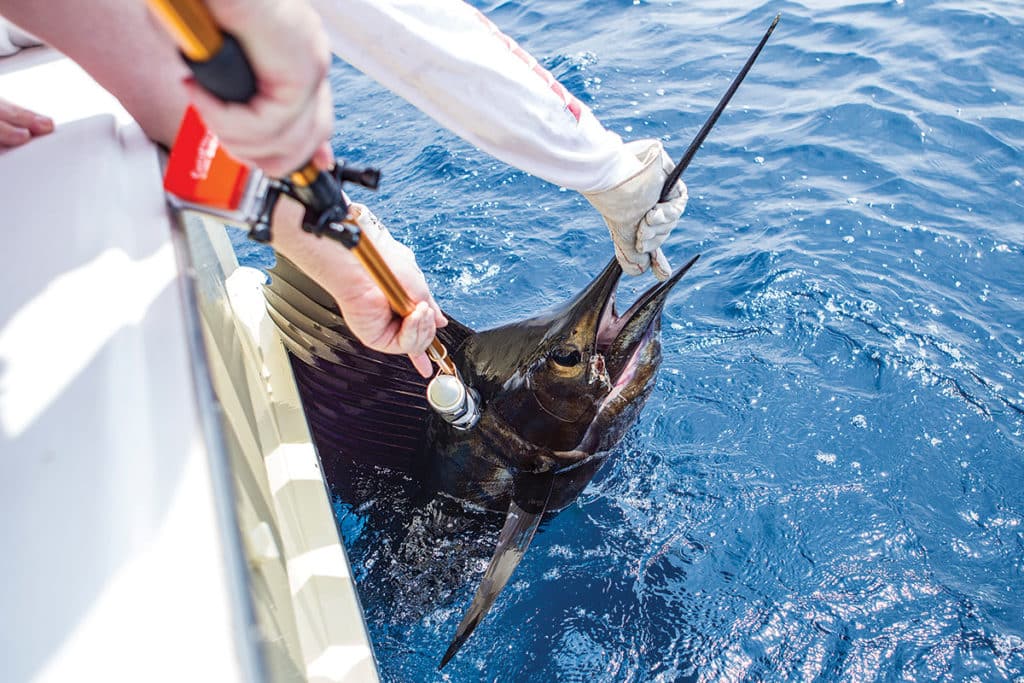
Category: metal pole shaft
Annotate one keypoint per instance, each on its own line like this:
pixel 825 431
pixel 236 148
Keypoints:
pixel 396 295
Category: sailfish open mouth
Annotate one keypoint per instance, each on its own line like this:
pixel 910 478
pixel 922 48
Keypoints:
pixel 619 336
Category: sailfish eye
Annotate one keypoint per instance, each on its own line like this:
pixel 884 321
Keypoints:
pixel 566 356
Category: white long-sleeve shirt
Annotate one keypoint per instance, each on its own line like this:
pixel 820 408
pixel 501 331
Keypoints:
pixel 452 63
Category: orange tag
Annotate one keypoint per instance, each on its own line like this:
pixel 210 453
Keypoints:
pixel 200 171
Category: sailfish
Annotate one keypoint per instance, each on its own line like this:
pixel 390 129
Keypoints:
pixel 558 391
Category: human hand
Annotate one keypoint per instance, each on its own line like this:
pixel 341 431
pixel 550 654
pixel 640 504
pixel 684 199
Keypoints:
pixel 19 125
pixel 362 303
pixel 637 221
pixel 290 119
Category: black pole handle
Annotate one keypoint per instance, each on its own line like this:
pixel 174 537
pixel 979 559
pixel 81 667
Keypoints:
pixel 216 58
pixel 227 74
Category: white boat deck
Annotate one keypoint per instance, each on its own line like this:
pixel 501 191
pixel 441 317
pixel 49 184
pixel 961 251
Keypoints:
pixel 163 512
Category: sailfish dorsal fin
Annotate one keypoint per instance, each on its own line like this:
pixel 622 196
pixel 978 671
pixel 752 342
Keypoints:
pixel 363 404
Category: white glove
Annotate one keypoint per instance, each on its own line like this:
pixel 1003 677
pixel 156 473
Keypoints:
pixel 638 223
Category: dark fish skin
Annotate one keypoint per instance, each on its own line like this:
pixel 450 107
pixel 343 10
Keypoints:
pixel 558 391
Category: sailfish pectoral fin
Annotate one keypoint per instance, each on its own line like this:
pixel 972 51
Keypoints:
pixel 530 493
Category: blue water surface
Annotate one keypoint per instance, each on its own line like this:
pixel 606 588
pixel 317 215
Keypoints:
pixel 828 481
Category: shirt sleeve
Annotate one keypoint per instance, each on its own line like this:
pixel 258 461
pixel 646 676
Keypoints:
pixel 453 63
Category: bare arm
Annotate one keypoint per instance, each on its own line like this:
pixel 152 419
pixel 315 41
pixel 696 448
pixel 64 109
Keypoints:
pixel 120 46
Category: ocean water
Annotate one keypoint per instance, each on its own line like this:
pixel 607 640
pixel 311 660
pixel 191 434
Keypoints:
pixel 828 481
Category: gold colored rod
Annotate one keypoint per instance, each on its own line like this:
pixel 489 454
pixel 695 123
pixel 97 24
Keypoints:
pixel 306 175
pixel 400 302
pixel 191 25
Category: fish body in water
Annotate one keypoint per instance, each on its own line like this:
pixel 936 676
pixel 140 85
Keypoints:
pixel 557 391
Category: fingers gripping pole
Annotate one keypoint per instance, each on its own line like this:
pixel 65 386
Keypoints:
pixel 215 58
pixel 220 65
pixel 396 295
pixel 456 403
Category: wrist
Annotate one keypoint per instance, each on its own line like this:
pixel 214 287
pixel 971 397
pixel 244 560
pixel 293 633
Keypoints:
pixel 326 262
pixel 639 189
pixel 628 165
